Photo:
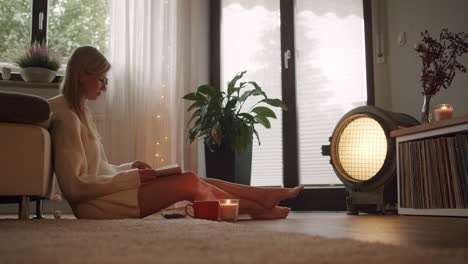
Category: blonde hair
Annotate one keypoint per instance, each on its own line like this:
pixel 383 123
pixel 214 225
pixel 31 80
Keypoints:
pixel 90 60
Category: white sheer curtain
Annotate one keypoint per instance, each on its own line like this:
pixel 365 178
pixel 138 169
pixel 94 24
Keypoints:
pixel 152 68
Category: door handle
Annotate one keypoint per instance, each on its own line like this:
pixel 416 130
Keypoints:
pixel 287 56
pixel 41 20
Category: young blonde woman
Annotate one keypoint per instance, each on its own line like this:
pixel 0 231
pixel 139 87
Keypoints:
pixel 97 189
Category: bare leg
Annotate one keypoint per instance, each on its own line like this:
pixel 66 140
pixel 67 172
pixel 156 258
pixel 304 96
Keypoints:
pixel 165 191
pixel 272 213
pixel 267 197
pixel 252 208
pixel 255 210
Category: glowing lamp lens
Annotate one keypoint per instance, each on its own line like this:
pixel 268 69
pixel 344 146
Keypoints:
pixel 362 148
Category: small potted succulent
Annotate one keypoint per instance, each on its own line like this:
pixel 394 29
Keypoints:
pixel 38 63
pixel 227 126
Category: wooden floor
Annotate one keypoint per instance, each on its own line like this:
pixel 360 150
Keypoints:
pixel 417 231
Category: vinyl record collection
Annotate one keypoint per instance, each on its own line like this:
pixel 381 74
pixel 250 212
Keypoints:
pixel 434 172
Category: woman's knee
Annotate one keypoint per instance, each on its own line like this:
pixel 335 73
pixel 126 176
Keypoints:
pixel 192 180
pixel 190 177
pixel 211 180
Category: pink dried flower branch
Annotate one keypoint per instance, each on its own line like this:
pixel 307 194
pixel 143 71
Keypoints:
pixel 439 59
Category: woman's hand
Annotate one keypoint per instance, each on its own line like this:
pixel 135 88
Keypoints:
pixel 147 175
pixel 140 165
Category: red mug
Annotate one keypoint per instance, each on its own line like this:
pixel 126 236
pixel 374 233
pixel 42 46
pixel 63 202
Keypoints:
pixel 204 210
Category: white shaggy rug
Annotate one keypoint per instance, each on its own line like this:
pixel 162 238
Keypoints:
pixel 191 241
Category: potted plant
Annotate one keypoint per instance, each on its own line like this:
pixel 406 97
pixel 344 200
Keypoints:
pixel 38 63
pixel 227 128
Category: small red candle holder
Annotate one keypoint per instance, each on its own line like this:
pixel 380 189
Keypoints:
pixel 443 112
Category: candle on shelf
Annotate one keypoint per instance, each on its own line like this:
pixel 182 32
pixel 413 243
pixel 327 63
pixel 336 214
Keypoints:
pixel 228 209
pixel 443 112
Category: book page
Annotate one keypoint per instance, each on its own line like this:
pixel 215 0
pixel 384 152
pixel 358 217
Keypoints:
pixel 170 166
pixel 171 169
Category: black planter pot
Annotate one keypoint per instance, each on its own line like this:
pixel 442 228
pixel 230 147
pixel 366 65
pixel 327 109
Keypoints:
pixel 228 165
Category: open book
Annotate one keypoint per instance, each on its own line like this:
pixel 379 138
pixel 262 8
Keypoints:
pixel 170 169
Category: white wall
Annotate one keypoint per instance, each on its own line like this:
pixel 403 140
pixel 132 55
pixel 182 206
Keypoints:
pixel 397 82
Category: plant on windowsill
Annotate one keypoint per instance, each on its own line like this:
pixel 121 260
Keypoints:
pixel 227 128
pixel 38 63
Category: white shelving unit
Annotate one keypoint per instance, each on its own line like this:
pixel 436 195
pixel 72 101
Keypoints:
pixel 446 127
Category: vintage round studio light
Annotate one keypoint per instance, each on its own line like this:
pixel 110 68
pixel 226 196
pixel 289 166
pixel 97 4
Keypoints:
pixel 364 159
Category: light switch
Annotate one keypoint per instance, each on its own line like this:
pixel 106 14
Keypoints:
pixel 401 38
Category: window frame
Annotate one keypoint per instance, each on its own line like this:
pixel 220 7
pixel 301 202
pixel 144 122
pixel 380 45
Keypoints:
pixel 38 29
pixel 313 198
pixel 38 33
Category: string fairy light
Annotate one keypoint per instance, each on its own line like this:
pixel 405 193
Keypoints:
pixel 162 141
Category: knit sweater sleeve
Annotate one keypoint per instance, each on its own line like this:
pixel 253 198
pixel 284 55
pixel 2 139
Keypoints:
pixel 122 167
pixel 71 164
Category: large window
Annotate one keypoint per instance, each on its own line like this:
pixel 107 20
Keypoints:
pixel 64 24
pixel 258 26
pixel 331 77
pixel 314 55
pixel 74 23
pixel 15 26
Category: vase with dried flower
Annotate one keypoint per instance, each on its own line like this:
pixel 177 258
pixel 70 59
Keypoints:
pixel 439 63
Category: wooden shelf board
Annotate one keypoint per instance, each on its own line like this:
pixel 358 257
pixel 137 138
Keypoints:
pixel 429 127
pixel 29 84
pixel 434 212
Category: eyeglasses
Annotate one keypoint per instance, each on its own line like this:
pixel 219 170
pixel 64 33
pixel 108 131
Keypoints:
pixel 104 80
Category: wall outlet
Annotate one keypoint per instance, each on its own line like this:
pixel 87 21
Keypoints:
pixel 380 59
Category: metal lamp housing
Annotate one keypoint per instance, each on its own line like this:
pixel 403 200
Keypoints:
pixel 364 159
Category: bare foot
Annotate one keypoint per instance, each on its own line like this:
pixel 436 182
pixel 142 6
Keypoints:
pixel 275 195
pixel 276 212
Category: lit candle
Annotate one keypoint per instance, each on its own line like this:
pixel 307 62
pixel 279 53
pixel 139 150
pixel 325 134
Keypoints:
pixel 443 112
pixel 228 209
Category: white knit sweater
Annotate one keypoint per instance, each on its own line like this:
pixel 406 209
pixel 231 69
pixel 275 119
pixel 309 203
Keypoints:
pixel 93 187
